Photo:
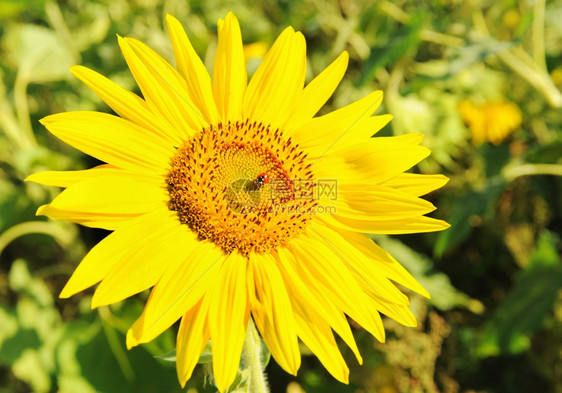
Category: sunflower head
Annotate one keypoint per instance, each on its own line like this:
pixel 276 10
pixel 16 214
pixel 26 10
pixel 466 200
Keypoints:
pixel 225 182
pixel 238 178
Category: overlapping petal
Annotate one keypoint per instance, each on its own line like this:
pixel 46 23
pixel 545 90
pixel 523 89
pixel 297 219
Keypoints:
pixel 193 335
pixel 376 160
pixel 110 198
pixel 278 81
pixel 229 72
pixel 341 128
pixel 178 290
pixel 107 254
pixel 111 139
pixel 416 184
pixel 193 70
pixel 299 290
pixel 389 227
pixel 162 87
pixel 273 312
pixel 127 104
pixel 67 178
pixel 139 265
pixel 378 203
pixel 228 301
pixel 330 277
pixel 316 93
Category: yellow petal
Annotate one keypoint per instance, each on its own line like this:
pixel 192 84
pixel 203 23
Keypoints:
pixel 415 184
pixel 378 203
pixel 373 275
pixel 385 263
pixel 111 139
pixel 341 128
pixel 278 81
pixel 327 310
pixel 229 312
pixel 388 227
pixel 399 312
pixel 67 178
pixel 110 197
pixel 329 276
pixel 318 337
pixel 356 262
pixel 414 138
pixel 139 265
pixel 383 296
pixel 193 335
pixel 127 104
pixel 162 87
pixel 317 92
pixel 105 255
pixel 193 71
pixel 177 291
pixel 375 160
pixel 229 73
pixel 273 313
pixel 108 222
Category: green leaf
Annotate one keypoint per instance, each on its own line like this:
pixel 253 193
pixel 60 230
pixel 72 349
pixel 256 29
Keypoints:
pixel 206 355
pixel 15 206
pixel 468 55
pixel 8 329
pixel 37 52
pixel 472 203
pixel 168 356
pixel 443 295
pixel 495 158
pixel 12 8
pixel 22 282
pixel 526 306
pixel 546 253
pixel 548 153
pixel 30 368
pixel 94 362
pixel 405 38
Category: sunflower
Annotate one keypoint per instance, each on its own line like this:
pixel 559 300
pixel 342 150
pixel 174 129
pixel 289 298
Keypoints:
pixel 235 204
pixel 491 122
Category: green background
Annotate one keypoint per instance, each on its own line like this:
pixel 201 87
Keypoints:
pixel 494 323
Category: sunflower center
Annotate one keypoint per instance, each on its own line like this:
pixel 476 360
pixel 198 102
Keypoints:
pixel 242 186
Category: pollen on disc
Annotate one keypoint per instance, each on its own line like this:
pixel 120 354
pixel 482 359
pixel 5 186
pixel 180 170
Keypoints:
pixel 242 186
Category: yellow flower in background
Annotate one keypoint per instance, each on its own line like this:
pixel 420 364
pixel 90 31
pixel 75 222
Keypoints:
pixel 255 50
pixel 491 122
pixel 232 201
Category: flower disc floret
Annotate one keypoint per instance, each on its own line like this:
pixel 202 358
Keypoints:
pixel 216 187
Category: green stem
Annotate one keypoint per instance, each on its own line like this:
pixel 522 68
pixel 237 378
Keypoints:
pixel 252 354
pixel 115 345
pixel 518 60
pixel 532 169
pixel 64 238
pixel 8 121
pixel 20 101
pixel 538 34
pixel 56 19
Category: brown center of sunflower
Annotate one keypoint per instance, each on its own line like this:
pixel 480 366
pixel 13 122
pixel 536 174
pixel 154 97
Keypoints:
pixel 242 186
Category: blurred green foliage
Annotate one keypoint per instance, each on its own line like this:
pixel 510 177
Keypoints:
pixel 494 323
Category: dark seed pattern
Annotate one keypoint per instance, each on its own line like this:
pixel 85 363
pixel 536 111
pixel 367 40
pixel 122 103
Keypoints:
pixel 213 187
